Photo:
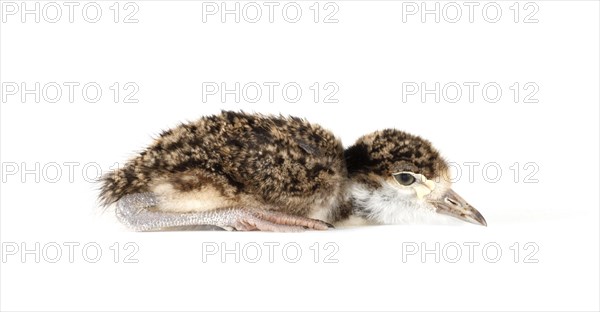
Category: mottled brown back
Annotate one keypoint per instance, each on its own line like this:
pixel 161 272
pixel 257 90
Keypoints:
pixel 273 158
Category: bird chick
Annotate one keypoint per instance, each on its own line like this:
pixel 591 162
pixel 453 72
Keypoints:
pixel 241 171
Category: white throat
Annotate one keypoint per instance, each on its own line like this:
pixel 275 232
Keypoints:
pixel 390 205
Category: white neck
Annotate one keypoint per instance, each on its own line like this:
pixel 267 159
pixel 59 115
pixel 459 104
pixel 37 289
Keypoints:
pixel 389 204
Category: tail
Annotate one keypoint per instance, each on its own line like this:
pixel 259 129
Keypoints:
pixel 118 183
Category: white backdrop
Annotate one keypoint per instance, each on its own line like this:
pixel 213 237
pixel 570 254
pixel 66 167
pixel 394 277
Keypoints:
pixel 532 149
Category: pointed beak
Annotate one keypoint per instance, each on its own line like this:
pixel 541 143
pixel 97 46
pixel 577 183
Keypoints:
pixel 455 206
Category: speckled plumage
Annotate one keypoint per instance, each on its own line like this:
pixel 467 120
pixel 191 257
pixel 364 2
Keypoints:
pixel 270 163
pixel 387 151
pixel 282 163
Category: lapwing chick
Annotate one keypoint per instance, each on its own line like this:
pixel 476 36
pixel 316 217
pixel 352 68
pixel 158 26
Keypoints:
pixel 239 171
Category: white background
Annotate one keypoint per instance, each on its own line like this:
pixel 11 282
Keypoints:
pixel 368 54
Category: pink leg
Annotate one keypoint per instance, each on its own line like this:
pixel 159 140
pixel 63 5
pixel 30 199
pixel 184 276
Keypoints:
pixel 132 211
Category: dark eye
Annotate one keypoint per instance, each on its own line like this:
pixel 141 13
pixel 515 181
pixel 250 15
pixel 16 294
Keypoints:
pixel 405 178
